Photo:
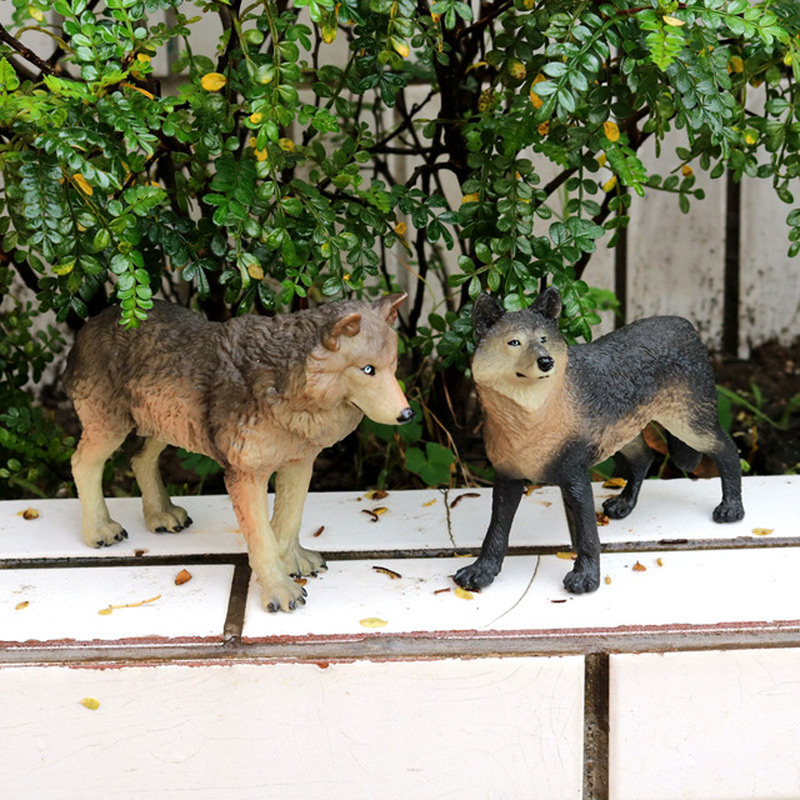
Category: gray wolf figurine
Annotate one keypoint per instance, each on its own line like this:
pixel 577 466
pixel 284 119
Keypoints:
pixel 260 395
pixel 553 411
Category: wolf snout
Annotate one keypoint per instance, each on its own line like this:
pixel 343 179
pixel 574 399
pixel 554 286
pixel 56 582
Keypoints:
pixel 545 363
pixel 406 415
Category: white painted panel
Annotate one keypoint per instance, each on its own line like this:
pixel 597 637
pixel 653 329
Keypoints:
pixel 676 261
pixel 489 728
pixel 705 726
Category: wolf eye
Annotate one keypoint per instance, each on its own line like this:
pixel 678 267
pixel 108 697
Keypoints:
pixel 368 370
pixel 542 339
pixel 514 343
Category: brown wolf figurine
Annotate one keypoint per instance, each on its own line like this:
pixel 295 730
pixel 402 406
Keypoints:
pixel 260 395
pixel 553 411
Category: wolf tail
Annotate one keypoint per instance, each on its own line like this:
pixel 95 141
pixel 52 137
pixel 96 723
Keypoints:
pixel 683 456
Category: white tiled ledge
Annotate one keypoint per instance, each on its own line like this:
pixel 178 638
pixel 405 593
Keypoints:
pixel 51 595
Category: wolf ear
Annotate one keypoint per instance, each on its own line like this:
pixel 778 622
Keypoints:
pixel 548 303
pixel 485 312
pixel 349 325
pixel 389 305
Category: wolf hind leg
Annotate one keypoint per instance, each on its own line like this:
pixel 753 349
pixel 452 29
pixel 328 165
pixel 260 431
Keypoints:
pixel 709 438
pixel 636 458
pixel 291 490
pixel 95 447
pixel 683 457
pixel 160 515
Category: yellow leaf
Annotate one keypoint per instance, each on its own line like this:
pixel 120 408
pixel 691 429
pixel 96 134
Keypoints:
pixel 184 576
pixel 143 57
pixel 614 483
pixel 608 580
pixel 751 136
pixel 429 503
pixel 736 64
pixel 464 594
pixel 287 145
pixel 82 184
pixel 601 159
pixel 104 612
pixel 137 89
pixel 610 184
pixel 29 513
pixel 256 117
pixel 64 269
pixel 611 130
pixel 213 81
pixel 380 510
pixel 90 703
pixel 400 46
pixel 470 198
pixel 516 69
pixel 400 228
pixel 566 556
pixel 787 59
pixel 329 33
pixel 637 567
pixel 36 14
pixel 687 171
pixel 763 531
pixel 544 128
pixel 660 562
pixel 261 155
pixel 375 494
pixel 20 606
pixel 255 271
pixel 373 622
pixel 673 21
pixel 435 17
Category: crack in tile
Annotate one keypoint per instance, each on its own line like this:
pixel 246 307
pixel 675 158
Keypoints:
pixel 449 522
pixel 520 598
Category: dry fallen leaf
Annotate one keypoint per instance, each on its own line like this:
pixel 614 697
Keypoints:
pixel 318 531
pixel 441 591
pixel 464 594
pixel 20 606
pixel 637 567
pixel 615 483
pixel 429 503
pixel 90 703
pixel 660 562
pixel 28 513
pixel 390 572
pixel 376 494
pixel 608 579
pixel 567 556
pixel 139 552
pixel 532 488
pixel 184 576
pixel 462 496
pixel 301 581
pixel 763 531
pixel 559 601
pixel 602 519
pixel 380 510
pixel 374 517
pixel 373 622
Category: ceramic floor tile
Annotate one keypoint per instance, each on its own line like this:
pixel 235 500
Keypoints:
pixel 62 605
pixel 500 728
pixel 424 598
pixel 705 726
pixel 671 509
pixel 691 588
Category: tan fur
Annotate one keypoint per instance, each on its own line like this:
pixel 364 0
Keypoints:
pixel 244 393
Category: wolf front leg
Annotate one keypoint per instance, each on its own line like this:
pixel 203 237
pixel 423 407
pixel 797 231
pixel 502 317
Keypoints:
pixel 579 506
pixel 248 493
pixel 291 489
pixel 506 495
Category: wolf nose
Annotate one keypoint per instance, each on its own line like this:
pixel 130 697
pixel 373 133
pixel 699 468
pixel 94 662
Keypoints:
pixel 545 363
pixel 406 415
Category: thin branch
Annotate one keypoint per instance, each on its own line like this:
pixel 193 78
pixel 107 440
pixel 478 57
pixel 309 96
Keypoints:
pixel 25 52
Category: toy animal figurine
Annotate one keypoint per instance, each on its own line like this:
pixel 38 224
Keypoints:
pixel 553 411
pixel 260 395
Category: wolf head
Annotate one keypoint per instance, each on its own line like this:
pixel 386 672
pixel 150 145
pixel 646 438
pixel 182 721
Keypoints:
pixel 520 354
pixel 357 358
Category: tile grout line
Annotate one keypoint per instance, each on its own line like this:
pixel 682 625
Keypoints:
pixel 237 602
pixel 596 726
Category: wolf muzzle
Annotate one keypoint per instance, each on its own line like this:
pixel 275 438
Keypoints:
pixel 406 415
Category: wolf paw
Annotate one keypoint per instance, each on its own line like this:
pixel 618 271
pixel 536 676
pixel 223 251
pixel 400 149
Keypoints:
pixel 304 562
pixel 618 507
pixel 283 595
pixel 475 576
pixel 582 580
pixel 105 535
pixel 729 511
pixel 172 520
